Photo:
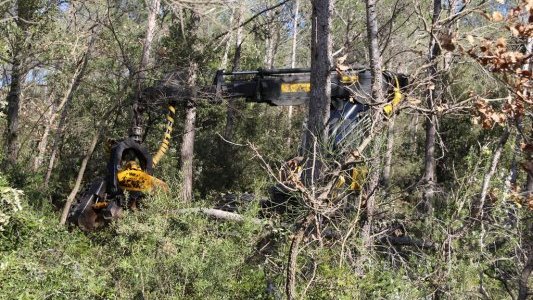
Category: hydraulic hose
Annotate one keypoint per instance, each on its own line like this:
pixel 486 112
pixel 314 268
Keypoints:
pixel 165 143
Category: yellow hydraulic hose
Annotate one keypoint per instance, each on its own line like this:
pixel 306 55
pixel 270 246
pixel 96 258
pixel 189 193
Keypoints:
pixel 165 143
pixel 389 108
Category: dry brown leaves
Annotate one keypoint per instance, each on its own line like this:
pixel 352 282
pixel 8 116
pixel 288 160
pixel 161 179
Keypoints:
pixel 497 57
pixel 486 115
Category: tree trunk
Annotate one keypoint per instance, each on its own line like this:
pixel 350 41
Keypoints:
pixel 529 67
pixel 494 163
pixel 429 176
pixel 377 96
pixel 523 290
pixel 293 63
pixel 270 42
pixel 64 106
pixel 388 154
pixel 138 107
pixel 187 146
pixel 320 100
pixel 373 51
pixel 25 14
pixel 187 150
pixel 292 264
pixel 231 106
pixel 79 179
pixel 54 110
pixel 224 62
pixel 321 64
pixel 58 140
pixel 43 143
pixel 13 107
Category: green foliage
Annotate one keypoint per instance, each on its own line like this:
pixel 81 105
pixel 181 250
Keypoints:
pixel 156 253
pixel 10 202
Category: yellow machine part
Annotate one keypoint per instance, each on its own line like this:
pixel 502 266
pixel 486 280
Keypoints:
pixel 349 79
pixel 165 143
pixel 389 108
pixel 137 180
pixel 357 179
pixel 303 87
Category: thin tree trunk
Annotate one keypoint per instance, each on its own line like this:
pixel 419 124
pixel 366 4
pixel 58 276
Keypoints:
pixel 224 62
pixel 512 177
pixel 373 51
pixel 524 278
pixel 13 107
pixel 25 11
pixel 79 179
pixel 58 140
pixel 494 163
pixel 187 146
pixel 414 132
pixel 54 111
pixel 231 108
pixel 270 43
pixel 292 264
pixel 321 64
pixel 429 176
pixel 43 143
pixel 187 151
pixel 377 96
pixel 529 67
pixel 64 107
pixel 138 108
pixel 523 281
pixel 293 62
pixel 388 154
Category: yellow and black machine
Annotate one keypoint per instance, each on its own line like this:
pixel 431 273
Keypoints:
pixel 129 169
pixel 130 165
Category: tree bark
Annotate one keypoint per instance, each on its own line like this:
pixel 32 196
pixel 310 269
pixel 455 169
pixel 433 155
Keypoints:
pixel 373 51
pixel 64 107
pixel 529 67
pixel 79 179
pixel 492 169
pixel 388 154
pixel 524 278
pixel 54 111
pixel 13 107
pixel 231 106
pixel 429 176
pixel 58 139
pixel 293 63
pixel 292 264
pixel 138 108
pixel 43 143
pixel 187 146
pixel 377 96
pixel 321 64
pixel 25 14
pixel 271 42
pixel 320 97
pixel 224 62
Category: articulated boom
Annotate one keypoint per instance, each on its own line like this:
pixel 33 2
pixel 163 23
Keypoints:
pixel 350 95
pixel 130 164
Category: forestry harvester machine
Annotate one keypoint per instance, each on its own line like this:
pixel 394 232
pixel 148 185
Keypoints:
pixel 130 166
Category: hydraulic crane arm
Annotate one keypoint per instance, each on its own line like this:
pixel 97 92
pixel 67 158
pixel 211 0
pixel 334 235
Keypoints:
pixel 292 86
pixel 350 95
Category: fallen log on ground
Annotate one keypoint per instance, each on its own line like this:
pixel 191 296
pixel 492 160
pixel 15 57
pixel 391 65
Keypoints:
pixel 221 214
